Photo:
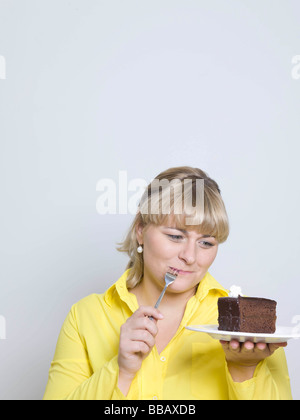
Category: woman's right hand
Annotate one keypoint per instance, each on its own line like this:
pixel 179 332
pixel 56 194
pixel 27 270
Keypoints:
pixel 137 339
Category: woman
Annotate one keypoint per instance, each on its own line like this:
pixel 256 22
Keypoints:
pixel 110 347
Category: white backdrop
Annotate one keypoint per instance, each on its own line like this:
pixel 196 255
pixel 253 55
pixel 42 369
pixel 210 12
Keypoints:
pixel 89 88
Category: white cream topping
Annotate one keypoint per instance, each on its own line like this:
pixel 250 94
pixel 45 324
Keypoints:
pixel 235 291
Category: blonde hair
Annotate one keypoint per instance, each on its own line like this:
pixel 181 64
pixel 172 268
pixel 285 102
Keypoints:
pixel 211 220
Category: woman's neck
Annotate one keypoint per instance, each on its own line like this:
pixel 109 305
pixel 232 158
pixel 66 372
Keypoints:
pixel 147 292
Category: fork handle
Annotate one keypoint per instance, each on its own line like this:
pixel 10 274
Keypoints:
pixel 159 300
pixel 160 297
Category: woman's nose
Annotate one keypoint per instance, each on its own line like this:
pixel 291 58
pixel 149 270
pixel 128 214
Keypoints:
pixel 188 253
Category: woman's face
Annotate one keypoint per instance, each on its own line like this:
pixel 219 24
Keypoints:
pixel 167 247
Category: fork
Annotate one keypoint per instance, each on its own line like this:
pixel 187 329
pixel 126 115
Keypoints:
pixel 170 277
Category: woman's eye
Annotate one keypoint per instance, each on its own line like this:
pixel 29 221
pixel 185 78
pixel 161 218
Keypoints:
pixel 206 244
pixel 175 237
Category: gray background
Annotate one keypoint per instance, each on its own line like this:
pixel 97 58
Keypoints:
pixel 96 87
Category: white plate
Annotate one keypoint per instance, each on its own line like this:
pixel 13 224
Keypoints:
pixel 281 335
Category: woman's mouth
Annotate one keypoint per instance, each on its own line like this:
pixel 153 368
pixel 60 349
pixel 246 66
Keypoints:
pixel 181 271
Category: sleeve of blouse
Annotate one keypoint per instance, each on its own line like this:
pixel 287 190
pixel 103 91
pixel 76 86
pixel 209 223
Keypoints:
pixel 270 381
pixel 71 376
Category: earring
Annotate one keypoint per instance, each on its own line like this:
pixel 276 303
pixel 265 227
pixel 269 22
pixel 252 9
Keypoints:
pixel 140 249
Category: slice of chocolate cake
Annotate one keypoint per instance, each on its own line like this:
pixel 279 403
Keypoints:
pixel 247 314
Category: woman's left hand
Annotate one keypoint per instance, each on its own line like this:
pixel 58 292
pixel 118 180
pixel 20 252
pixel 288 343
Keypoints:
pixel 242 358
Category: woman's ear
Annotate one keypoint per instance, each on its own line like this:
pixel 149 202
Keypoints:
pixel 139 233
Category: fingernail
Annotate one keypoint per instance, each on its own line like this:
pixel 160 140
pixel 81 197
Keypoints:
pixel 234 345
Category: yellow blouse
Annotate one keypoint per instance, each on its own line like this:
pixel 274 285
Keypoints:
pixel 192 366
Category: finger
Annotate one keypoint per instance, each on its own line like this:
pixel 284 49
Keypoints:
pixel 139 347
pixel 276 346
pixel 234 345
pixel 225 344
pixel 149 311
pixel 144 336
pixel 281 344
pixel 247 347
pixel 146 324
pixel 261 347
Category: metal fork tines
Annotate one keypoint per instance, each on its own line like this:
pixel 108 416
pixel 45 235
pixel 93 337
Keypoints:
pixel 170 277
